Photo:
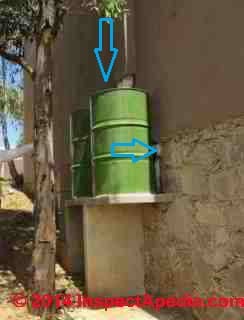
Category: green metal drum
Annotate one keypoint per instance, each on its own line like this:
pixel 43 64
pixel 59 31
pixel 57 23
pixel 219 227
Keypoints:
pixel 81 154
pixel 119 115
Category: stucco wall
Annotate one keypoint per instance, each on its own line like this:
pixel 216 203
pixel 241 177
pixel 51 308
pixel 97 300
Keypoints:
pixel 190 57
pixel 196 244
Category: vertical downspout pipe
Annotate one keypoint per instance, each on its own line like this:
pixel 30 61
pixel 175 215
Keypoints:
pixel 125 23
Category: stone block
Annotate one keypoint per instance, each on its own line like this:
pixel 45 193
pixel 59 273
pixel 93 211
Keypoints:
pixel 233 279
pixel 210 213
pixel 221 258
pixel 237 242
pixel 202 271
pixel 203 154
pixel 240 191
pixel 221 236
pixel 225 185
pixel 181 264
pixel 234 214
pixel 180 220
pixel 234 149
pixel 194 181
pixel 202 238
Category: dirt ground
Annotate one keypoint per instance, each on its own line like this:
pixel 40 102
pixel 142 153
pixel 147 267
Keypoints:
pixel 16 245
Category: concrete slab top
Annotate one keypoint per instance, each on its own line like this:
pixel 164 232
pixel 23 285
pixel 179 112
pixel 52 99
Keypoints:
pixel 128 198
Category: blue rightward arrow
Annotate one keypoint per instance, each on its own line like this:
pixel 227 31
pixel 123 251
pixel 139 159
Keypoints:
pixel 114 51
pixel 134 157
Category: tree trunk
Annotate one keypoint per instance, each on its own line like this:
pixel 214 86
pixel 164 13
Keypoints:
pixel 44 255
pixel 17 178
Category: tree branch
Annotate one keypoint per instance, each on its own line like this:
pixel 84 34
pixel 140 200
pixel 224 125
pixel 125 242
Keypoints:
pixel 18 60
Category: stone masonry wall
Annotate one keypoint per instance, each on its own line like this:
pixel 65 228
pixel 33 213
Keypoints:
pixel 196 243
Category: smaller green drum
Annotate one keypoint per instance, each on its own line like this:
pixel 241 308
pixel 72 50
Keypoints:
pixel 81 154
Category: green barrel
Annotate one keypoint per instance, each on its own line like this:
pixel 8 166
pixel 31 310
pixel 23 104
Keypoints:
pixel 119 115
pixel 81 154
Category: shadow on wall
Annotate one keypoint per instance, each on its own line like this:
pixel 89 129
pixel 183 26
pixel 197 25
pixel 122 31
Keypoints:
pixel 155 115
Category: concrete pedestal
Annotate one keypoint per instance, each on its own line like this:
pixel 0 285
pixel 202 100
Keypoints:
pixel 113 248
pixel 113 241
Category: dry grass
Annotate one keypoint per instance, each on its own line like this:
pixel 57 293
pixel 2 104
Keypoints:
pixel 15 200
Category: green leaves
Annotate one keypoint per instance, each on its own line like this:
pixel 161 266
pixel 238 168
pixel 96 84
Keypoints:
pixel 106 8
pixel 11 96
pixel 13 103
pixel 17 18
pixel 112 8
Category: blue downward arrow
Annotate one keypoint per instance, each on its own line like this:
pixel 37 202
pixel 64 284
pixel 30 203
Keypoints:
pixel 133 143
pixel 114 51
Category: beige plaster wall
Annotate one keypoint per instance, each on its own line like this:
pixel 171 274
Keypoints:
pixel 190 57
